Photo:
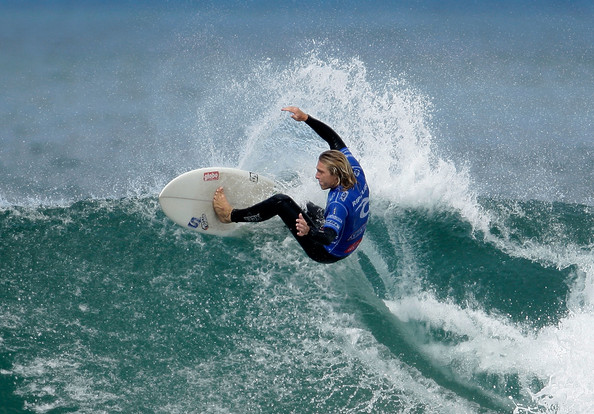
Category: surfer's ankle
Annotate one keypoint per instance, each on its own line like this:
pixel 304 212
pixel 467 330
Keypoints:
pixel 224 215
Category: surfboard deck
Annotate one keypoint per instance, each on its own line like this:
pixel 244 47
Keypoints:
pixel 187 199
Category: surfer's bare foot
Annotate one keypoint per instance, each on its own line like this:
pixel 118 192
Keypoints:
pixel 221 206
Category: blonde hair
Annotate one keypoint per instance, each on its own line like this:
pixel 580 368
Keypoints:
pixel 339 166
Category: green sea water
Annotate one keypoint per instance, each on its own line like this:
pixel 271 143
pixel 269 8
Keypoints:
pixel 107 306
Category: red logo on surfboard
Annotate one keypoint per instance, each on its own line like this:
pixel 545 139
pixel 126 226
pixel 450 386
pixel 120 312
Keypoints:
pixel 211 176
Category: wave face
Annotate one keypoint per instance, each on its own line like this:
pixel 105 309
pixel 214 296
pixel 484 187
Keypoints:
pixel 472 291
pixel 107 306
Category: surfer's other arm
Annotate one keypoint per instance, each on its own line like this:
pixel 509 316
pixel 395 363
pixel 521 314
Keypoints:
pixel 323 130
pixel 324 235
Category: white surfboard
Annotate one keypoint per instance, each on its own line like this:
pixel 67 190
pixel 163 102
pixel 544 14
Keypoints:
pixel 187 199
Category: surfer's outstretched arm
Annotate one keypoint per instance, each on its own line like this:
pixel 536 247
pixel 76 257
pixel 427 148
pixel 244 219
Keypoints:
pixel 327 133
pixel 323 130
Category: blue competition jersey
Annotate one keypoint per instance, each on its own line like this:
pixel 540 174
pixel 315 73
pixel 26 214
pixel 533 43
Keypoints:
pixel 347 212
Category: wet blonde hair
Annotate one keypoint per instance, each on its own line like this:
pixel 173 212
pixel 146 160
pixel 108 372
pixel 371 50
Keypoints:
pixel 339 166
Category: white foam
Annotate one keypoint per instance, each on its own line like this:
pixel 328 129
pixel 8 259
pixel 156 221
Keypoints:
pixel 384 123
pixel 560 356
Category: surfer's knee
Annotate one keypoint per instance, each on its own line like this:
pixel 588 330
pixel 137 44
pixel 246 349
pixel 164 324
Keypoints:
pixel 281 198
pixel 285 203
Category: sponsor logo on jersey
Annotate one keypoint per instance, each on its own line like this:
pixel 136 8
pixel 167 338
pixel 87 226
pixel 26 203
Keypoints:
pixel 352 247
pixel 364 207
pixel 358 199
pixel 358 233
pixel 334 218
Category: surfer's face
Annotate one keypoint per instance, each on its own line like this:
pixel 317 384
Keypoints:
pixel 324 177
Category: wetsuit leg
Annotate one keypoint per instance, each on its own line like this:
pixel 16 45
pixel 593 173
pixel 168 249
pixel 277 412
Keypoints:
pixel 288 210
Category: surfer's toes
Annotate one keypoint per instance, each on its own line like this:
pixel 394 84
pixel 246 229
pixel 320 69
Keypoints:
pixel 221 206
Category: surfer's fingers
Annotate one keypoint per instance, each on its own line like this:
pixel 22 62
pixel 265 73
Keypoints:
pixel 296 113
pixel 301 225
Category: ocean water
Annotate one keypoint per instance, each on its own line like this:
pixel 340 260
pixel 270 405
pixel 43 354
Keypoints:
pixel 472 292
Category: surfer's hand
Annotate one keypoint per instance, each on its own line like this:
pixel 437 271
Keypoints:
pixel 301 225
pixel 298 114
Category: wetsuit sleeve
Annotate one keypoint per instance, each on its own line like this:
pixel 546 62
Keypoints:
pixel 325 235
pixel 327 133
pixel 321 234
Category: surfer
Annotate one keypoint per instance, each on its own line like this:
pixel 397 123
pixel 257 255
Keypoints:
pixel 326 235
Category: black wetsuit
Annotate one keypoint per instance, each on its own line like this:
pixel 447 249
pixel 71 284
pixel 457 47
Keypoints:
pixel 288 210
